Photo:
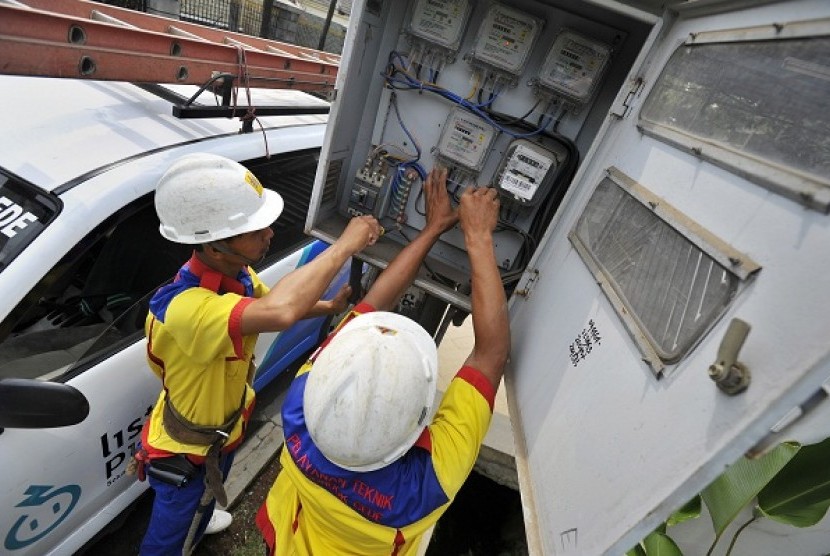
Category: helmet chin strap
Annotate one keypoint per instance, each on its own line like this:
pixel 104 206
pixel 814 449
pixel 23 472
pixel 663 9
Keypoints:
pixel 222 247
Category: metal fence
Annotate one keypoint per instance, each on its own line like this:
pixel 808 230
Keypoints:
pixel 282 21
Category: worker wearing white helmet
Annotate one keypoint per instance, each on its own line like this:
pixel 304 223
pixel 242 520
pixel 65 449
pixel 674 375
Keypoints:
pixel 202 328
pixel 367 468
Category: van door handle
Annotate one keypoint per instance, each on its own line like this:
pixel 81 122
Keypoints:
pixel 730 375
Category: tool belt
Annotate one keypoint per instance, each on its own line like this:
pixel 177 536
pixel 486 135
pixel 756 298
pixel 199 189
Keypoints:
pixel 182 430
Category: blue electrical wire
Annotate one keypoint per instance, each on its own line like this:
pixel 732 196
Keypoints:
pixel 412 83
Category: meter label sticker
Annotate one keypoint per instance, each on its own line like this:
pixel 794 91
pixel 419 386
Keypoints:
pixel 524 173
pixel 584 343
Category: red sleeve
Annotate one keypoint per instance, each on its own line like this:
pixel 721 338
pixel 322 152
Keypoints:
pixel 235 325
pixel 479 382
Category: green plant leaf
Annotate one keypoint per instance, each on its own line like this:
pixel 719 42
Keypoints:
pixel 690 510
pixel 638 550
pixel 659 544
pixel 741 483
pixel 800 494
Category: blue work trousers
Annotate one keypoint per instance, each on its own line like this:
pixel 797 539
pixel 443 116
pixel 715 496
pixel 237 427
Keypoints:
pixel 173 511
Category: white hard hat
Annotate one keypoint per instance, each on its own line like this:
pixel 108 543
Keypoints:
pixel 205 197
pixel 370 392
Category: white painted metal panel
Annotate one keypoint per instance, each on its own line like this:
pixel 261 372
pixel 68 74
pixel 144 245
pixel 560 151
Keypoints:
pixel 605 450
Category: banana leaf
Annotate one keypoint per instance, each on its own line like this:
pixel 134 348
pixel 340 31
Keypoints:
pixel 659 544
pixel 741 483
pixel 690 510
pixel 638 550
pixel 800 494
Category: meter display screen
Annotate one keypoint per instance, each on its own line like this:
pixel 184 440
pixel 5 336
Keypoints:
pixel 466 139
pixel 506 38
pixel 440 21
pixel 574 65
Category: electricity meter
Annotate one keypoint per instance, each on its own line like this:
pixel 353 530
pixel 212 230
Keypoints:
pixel 440 22
pixel 573 66
pixel 505 39
pixel 466 140
pixel 527 172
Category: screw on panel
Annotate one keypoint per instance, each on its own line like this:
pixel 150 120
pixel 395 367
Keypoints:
pixel 175 49
pixel 182 73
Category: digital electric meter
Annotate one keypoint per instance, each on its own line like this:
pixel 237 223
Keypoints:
pixel 506 38
pixel 466 139
pixel 440 22
pixel 573 66
pixel 527 172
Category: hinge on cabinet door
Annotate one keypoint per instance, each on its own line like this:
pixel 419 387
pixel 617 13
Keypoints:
pixel 527 282
pixel 621 109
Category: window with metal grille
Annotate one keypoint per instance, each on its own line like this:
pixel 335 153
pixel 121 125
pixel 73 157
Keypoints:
pixel 759 108
pixel 669 285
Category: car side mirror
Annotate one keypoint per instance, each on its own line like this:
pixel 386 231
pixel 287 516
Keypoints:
pixel 34 404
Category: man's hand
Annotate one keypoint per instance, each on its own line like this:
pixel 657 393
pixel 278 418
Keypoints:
pixel 440 214
pixel 479 211
pixel 361 232
pixel 341 300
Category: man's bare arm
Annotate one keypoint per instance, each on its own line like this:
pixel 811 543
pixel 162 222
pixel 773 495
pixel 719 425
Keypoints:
pixel 392 282
pixel 296 294
pixel 479 213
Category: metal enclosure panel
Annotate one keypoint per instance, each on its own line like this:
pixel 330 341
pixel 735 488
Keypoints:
pixel 363 116
pixel 605 450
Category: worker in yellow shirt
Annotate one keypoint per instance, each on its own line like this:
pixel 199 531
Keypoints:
pixel 202 328
pixel 367 468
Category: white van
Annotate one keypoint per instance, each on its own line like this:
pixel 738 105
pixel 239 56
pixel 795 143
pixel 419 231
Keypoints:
pixel 663 169
pixel 80 253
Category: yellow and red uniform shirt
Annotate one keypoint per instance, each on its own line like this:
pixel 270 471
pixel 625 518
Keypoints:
pixel 316 507
pixel 195 346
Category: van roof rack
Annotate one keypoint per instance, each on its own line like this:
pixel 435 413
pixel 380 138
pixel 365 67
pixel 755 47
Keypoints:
pixel 87 40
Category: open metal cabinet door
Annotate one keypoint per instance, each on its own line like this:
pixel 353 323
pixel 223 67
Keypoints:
pixel 679 249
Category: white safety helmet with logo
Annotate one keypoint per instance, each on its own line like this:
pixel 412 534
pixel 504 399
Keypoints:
pixel 205 197
pixel 371 390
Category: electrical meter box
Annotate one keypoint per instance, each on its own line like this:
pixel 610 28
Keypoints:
pixel 574 66
pixel 466 140
pixel 644 265
pixel 452 83
pixel 506 39
pixel 438 23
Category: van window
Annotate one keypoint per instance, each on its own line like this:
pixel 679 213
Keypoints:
pixel 665 287
pixel 763 106
pixel 91 296
pixel 95 299
pixel 24 212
